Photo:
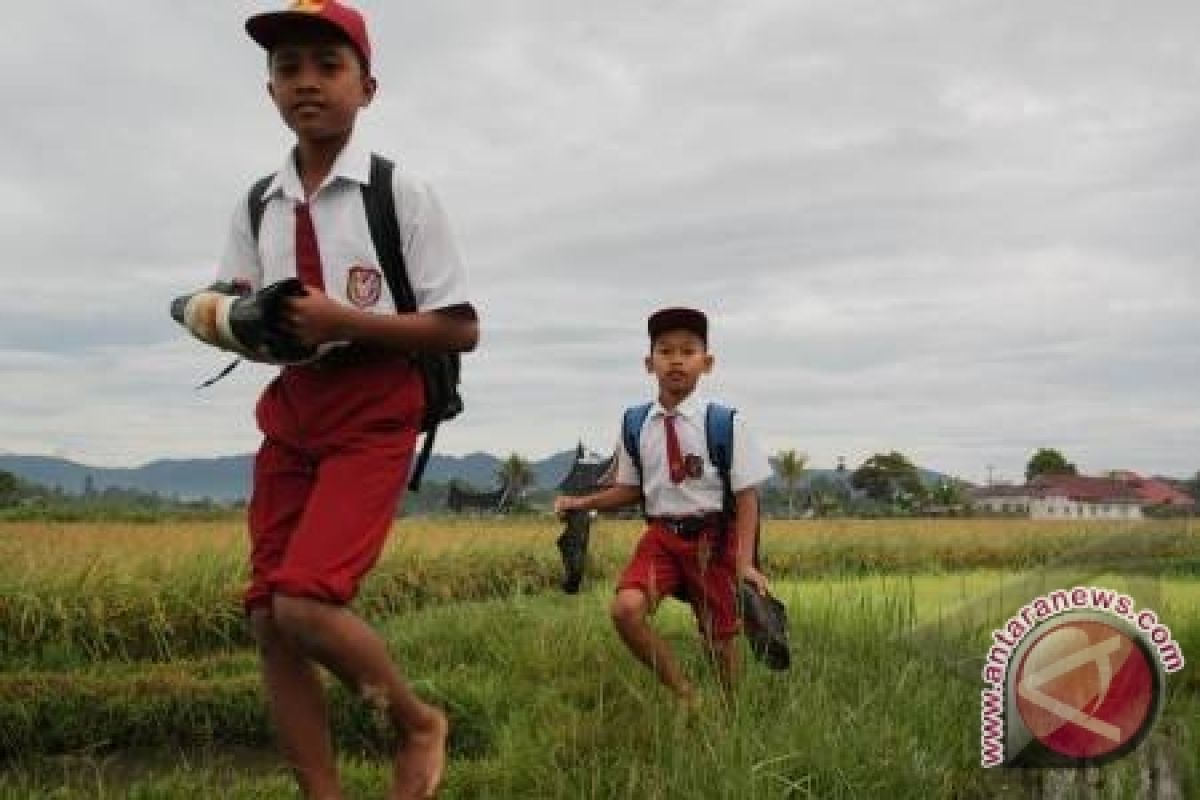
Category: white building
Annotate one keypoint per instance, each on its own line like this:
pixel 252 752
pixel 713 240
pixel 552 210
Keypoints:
pixel 1065 497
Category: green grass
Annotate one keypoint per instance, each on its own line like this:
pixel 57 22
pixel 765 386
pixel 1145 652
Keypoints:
pixel 546 703
pixel 126 672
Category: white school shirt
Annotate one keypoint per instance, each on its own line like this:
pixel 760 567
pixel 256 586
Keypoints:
pixel 701 495
pixel 349 263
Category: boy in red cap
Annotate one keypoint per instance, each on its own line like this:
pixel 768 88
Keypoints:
pixel 338 434
pixel 689 548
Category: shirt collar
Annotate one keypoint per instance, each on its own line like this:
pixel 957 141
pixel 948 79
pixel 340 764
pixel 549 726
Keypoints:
pixel 690 407
pixel 353 164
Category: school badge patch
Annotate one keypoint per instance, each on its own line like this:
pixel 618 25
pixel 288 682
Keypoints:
pixel 693 465
pixel 363 286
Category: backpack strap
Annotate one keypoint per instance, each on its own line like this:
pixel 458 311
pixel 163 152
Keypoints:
pixel 718 431
pixel 379 201
pixel 254 204
pixel 631 432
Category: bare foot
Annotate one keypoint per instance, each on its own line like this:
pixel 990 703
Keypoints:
pixel 419 762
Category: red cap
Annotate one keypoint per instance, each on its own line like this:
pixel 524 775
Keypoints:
pixel 676 319
pixel 266 29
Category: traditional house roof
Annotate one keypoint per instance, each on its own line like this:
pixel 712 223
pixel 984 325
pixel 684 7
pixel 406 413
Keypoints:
pixel 588 472
pixel 460 498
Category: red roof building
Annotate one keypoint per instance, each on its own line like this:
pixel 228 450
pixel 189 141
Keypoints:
pixel 1154 491
pixel 1085 489
pixel 1119 495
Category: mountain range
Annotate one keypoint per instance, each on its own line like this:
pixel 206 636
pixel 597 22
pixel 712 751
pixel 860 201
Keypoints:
pixel 227 478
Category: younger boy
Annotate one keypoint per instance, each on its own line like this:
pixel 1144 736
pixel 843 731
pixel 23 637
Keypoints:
pixel 338 434
pixel 689 549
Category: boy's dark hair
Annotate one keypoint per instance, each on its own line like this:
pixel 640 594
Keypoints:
pixel 677 319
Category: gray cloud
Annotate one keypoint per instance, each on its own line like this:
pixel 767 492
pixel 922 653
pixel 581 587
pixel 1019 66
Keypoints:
pixel 963 230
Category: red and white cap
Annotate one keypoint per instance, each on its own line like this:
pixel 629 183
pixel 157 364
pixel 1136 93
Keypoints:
pixel 267 28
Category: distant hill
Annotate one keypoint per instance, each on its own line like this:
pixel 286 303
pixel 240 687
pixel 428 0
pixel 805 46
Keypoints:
pixel 227 478
pixel 224 478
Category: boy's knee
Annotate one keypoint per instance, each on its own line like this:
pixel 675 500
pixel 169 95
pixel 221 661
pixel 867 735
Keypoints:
pixel 262 626
pixel 271 639
pixel 299 618
pixel 629 607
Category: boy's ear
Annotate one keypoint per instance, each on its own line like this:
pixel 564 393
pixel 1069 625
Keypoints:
pixel 649 365
pixel 708 362
pixel 370 86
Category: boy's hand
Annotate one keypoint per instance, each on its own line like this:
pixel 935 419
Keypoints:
pixel 315 319
pixel 564 503
pixel 756 579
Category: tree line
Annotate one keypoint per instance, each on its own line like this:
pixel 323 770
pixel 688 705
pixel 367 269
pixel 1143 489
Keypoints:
pixel 884 484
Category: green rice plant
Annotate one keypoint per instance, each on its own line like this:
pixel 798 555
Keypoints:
pixel 546 703
pixel 76 593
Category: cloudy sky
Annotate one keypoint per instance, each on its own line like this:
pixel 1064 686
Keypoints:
pixel 955 228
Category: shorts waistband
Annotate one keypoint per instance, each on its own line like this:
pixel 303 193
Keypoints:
pixel 354 355
pixel 690 526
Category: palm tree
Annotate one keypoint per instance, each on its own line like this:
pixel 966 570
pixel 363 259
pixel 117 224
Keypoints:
pixel 516 475
pixel 790 466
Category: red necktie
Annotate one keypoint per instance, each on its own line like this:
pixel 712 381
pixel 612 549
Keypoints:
pixel 308 257
pixel 674 457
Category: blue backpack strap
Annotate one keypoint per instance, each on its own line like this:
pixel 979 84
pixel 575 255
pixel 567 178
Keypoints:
pixel 718 430
pixel 631 433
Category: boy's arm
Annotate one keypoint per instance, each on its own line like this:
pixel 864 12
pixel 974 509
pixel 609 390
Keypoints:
pixel 751 469
pixel 608 499
pixel 746 528
pixel 316 319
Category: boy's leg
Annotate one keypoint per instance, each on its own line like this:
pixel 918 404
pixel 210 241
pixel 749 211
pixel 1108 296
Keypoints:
pixel 358 656
pixel 346 522
pixel 709 578
pixel 295 695
pixel 726 657
pixel 299 715
pixel 651 574
pixel 631 615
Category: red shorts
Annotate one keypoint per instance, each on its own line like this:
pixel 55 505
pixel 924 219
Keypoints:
pixel 664 563
pixel 337 444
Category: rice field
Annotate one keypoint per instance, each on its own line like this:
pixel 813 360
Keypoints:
pixel 126 670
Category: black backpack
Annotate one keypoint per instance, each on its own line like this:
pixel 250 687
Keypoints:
pixel 440 371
